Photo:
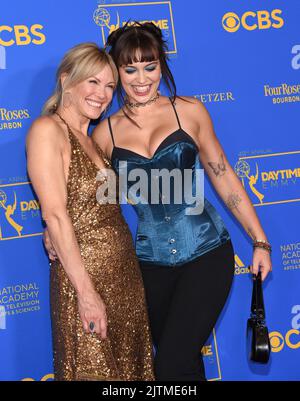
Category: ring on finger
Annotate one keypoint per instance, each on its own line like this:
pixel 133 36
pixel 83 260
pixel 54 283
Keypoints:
pixel 92 326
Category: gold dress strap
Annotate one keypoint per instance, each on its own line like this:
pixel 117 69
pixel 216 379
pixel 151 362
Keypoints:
pixel 65 122
pixel 72 135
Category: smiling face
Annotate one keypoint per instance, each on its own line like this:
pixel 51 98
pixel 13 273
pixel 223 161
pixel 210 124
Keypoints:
pixel 140 80
pixel 91 96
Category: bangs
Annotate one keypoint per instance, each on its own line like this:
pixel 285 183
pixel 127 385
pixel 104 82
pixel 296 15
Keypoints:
pixel 138 49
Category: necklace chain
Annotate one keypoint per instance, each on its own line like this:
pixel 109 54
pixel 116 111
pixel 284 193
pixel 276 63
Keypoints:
pixel 131 104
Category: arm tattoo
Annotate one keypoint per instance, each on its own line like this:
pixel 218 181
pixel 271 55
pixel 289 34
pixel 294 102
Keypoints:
pixel 218 168
pixel 233 201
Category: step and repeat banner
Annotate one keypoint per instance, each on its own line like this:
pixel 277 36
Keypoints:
pixel 242 60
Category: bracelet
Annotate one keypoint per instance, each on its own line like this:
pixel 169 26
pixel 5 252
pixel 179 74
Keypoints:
pixel 267 248
pixel 261 240
pixel 262 244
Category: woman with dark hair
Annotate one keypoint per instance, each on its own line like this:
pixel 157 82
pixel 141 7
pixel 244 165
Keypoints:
pixel 186 259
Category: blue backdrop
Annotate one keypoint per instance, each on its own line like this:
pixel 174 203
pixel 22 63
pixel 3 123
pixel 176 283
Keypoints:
pixel 242 60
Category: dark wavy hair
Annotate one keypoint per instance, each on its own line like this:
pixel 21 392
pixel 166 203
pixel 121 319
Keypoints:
pixel 140 42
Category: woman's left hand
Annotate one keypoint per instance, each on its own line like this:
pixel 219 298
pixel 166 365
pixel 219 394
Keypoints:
pixel 261 262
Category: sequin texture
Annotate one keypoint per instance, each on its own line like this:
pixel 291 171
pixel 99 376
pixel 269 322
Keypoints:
pixel 108 254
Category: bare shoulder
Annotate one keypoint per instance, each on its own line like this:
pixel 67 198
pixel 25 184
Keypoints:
pixel 192 107
pixel 194 118
pixel 45 130
pixel 117 117
pixel 100 130
pixel 101 136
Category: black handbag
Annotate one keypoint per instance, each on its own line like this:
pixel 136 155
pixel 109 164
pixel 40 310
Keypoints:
pixel 257 332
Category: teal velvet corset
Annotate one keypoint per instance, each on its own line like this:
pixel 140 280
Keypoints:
pixel 166 234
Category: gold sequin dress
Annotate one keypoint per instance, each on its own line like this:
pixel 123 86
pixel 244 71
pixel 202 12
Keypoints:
pixel 108 255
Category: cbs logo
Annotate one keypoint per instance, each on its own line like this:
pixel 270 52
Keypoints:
pixel 251 20
pixel 21 35
pixel 278 341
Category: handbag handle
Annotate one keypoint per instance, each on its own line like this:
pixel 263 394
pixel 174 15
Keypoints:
pixel 257 304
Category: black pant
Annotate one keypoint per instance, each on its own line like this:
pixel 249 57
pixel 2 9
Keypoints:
pixel 184 303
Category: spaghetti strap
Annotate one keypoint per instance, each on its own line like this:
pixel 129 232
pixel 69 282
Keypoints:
pixel 110 130
pixel 64 121
pixel 174 108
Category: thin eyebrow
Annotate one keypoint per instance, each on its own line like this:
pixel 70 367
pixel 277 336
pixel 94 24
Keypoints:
pixel 152 62
pixel 98 80
pixel 132 66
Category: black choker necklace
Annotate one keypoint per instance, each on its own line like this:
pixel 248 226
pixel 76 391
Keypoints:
pixel 129 104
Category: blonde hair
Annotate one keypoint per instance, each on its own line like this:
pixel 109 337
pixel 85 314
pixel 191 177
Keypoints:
pixel 79 63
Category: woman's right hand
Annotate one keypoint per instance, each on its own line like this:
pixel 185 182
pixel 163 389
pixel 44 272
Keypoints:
pixel 91 306
pixel 46 168
pixel 92 309
pixel 49 246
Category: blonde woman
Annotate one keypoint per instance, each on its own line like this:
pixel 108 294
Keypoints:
pixel 99 319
